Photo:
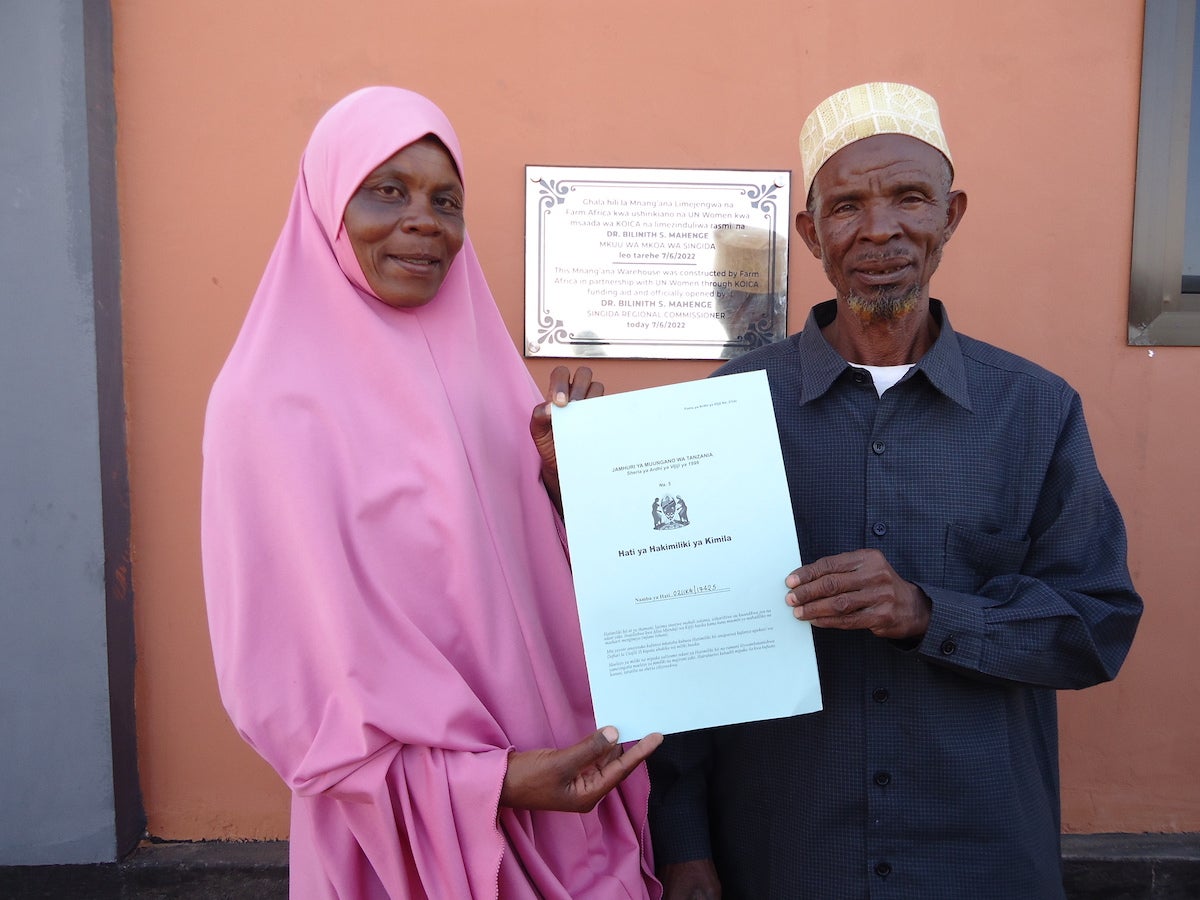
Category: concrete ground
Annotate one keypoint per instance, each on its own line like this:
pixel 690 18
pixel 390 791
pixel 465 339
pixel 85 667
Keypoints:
pixel 1095 866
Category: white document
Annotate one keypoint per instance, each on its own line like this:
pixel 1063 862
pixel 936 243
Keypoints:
pixel 681 533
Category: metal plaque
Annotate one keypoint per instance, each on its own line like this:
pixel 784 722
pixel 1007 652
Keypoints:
pixel 654 263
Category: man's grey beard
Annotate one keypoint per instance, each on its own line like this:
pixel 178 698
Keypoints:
pixel 886 304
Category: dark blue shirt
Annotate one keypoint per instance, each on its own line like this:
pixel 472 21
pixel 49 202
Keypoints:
pixel 932 770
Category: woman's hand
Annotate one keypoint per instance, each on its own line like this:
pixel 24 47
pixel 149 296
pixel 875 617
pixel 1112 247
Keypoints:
pixel 573 779
pixel 564 387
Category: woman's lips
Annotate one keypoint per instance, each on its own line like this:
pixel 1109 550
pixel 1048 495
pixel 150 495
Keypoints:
pixel 416 263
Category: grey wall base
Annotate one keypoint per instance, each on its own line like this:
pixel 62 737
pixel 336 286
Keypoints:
pixel 1095 867
pixel 1131 866
pixel 210 870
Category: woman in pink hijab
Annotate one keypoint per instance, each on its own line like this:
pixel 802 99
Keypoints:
pixel 388 592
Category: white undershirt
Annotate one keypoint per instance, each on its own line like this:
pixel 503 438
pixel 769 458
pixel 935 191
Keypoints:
pixel 885 376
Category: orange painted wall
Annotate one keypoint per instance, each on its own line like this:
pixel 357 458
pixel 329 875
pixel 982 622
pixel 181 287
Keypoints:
pixel 215 101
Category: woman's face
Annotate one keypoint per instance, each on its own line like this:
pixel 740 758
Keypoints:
pixel 405 223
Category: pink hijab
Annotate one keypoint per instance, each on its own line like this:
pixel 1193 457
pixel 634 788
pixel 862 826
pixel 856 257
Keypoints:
pixel 388 595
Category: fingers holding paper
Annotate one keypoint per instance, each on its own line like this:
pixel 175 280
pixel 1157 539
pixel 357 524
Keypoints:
pixel 562 389
pixel 565 386
pixel 858 591
pixel 575 778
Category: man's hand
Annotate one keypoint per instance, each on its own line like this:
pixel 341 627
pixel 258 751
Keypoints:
pixel 694 880
pixel 858 590
pixel 564 387
pixel 573 779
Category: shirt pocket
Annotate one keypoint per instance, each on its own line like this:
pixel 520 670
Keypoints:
pixel 974 557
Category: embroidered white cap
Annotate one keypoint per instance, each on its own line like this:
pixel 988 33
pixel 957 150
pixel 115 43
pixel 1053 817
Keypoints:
pixel 879 107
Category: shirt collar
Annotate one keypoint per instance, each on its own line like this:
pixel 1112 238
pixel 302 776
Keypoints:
pixel 942 363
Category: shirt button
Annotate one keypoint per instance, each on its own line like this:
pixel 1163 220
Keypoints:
pixel 859 376
pixel 949 647
pixel 878 447
pixel 883 779
pixel 880 695
pixel 883 869
pixel 879 528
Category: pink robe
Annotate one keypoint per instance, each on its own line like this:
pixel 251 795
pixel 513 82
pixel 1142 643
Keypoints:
pixel 388 593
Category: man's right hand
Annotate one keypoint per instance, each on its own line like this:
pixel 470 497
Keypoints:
pixel 692 880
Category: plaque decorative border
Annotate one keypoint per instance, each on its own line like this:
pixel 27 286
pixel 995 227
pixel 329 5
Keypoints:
pixel 654 263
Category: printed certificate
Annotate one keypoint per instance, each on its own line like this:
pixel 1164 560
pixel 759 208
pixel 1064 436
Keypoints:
pixel 681 533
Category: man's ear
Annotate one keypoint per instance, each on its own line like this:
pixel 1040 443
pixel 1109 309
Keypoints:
pixel 806 226
pixel 956 210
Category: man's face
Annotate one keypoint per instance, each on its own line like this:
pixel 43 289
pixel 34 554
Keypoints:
pixel 881 212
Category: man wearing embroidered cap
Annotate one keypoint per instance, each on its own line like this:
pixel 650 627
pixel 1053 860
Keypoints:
pixel 964 560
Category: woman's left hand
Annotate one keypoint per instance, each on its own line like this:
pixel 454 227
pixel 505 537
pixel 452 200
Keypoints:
pixel 564 387
pixel 573 779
